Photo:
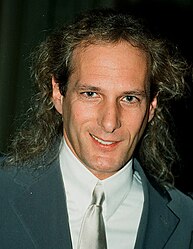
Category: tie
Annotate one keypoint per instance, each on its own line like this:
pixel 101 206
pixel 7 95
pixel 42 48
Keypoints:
pixel 92 233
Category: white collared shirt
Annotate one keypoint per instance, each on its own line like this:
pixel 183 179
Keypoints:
pixel 123 203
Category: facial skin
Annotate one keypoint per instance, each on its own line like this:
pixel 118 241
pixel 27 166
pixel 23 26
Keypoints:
pixel 106 107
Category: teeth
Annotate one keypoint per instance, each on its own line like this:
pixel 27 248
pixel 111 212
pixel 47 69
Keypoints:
pixel 101 141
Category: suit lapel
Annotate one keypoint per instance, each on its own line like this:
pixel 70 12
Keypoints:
pixel 158 221
pixel 162 222
pixel 43 212
pixel 191 242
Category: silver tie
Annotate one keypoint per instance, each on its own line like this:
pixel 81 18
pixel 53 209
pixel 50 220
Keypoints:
pixel 92 233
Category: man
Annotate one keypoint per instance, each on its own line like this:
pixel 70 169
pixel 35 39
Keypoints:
pixel 100 119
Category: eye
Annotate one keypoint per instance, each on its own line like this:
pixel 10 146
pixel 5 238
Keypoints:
pixel 131 99
pixel 89 94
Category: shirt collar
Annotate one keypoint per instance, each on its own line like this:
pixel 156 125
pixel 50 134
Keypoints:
pixel 80 183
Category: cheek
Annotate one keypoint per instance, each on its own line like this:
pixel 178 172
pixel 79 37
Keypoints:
pixel 144 123
pixel 75 116
pixel 137 123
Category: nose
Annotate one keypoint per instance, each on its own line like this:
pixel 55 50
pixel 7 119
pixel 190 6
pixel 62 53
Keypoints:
pixel 109 117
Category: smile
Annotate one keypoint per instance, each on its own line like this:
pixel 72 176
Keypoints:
pixel 102 141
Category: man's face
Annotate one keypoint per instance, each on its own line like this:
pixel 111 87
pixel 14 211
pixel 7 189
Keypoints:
pixel 106 107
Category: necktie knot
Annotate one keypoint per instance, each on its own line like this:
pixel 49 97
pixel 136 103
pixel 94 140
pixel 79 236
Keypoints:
pixel 98 195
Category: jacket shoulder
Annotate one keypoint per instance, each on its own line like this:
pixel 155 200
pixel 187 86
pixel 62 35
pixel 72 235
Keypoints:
pixel 179 196
pixel 182 203
pixel 7 175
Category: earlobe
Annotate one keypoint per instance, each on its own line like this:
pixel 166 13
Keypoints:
pixel 152 108
pixel 56 96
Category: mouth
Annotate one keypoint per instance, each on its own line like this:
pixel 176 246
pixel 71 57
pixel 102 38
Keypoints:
pixel 103 142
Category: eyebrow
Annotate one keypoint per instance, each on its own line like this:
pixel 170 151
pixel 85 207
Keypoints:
pixel 86 87
pixel 135 92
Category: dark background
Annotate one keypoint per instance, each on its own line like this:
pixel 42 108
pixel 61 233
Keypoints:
pixel 25 23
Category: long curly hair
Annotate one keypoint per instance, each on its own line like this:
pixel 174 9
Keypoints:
pixel 53 58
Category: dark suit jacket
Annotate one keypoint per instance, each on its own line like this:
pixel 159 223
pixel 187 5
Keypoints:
pixel 33 212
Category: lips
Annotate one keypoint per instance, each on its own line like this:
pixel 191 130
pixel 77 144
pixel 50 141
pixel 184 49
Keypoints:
pixel 101 141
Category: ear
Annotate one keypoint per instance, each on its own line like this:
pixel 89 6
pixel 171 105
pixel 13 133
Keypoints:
pixel 152 108
pixel 56 96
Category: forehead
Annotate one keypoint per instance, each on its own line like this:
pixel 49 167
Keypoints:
pixel 119 62
pixel 112 54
